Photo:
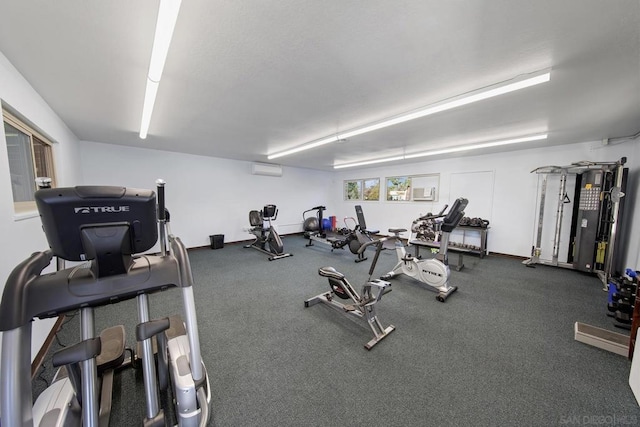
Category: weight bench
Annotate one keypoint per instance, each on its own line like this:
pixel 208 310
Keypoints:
pixel 362 225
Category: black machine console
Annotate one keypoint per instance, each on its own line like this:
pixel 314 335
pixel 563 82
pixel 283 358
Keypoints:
pixel 452 219
pixel 102 223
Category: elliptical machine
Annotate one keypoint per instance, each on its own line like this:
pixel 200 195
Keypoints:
pixel 106 227
pixel 267 239
pixel 434 272
pixel 364 303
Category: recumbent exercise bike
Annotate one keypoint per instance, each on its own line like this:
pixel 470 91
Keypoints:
pixel 364 303
pixel 434 272
pixel 267 239
pixel 105 227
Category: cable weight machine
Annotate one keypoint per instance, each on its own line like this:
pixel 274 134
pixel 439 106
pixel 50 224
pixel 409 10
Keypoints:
pixel 596 216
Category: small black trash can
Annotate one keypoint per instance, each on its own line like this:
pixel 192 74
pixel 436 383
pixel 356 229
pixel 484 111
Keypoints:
pixel 217 241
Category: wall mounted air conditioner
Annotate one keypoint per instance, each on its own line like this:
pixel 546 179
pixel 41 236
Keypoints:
pixel 424 194
pixel 266 169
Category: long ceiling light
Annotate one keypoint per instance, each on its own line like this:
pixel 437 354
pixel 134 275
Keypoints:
pixel 447 150
pixel 167 16
pixel 502 88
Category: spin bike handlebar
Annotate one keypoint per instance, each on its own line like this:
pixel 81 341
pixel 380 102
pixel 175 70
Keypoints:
pixel 378 244
pixel 431 216
pixel 373 242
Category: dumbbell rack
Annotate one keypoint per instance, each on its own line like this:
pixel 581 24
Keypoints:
pixel 635 323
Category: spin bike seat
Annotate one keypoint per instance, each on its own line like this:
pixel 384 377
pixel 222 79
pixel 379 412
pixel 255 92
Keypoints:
pixel 397 230
pixel 330 272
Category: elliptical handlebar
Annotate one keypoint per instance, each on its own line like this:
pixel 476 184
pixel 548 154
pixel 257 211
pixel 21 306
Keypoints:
pixel 161 205
pixel 162 216
pixel 378 244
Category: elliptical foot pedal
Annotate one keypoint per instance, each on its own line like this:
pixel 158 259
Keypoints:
pixel 110 358
pixel 176 327
pixel 112 351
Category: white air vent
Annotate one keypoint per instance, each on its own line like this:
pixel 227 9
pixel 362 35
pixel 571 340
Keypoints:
pixel 266 169
pixel 424 194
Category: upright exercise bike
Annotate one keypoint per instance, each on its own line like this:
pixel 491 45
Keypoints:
pixel 267 239
pixel 363 304
pixel 109 228
pixel 434 272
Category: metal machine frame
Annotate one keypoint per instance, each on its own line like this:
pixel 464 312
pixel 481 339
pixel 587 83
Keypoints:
pixel 613 195
pixel 364 304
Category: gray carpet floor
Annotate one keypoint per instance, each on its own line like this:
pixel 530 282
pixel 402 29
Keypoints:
pixel 499 352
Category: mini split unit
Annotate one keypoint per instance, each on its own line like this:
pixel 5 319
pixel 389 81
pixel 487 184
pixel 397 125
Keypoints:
pixel 266 169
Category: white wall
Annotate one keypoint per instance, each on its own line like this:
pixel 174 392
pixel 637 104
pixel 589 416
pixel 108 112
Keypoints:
pixel 213 196
pixel 512 212
pixel 22 236
pixel 208 195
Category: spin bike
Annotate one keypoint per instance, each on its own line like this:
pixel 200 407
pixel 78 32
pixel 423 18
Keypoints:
pixel 267 239
pixel 109 229
pixel 354 238
pixel 364 303
pixel 434 272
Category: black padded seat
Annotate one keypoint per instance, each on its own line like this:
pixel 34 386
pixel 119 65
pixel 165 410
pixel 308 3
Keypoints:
pixel 331 273
pixel 397 230
pixel 255 219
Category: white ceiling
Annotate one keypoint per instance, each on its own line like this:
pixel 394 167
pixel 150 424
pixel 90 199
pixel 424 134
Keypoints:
pixel 246 78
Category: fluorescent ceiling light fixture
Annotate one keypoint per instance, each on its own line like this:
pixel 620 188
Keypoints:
pixel 167 16
pixel 502 88
pixel 448 150
pixel 477 146
pixel 313 144
pixel 369 162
